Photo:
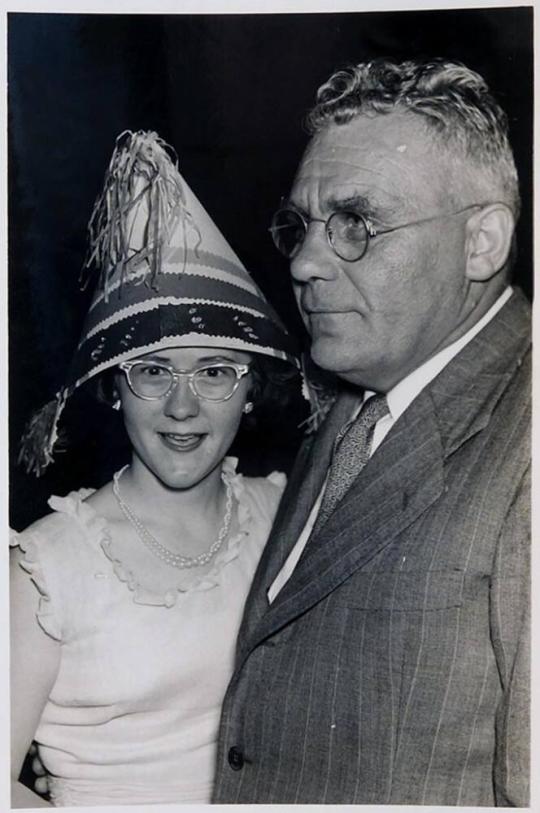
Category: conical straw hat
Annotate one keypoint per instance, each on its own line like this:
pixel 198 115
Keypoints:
pixel 167 278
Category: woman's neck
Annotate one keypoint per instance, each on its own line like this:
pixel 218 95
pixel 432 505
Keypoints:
pixel 150 497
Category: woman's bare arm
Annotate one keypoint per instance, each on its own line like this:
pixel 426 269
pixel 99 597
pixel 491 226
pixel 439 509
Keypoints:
pixel 35 659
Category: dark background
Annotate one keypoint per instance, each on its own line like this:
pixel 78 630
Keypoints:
pixel 229 93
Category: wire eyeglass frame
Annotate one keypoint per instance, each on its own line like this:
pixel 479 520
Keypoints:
pixel 371 231
pixel 176 376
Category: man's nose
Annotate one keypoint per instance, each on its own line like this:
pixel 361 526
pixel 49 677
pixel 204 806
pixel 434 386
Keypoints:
pixel 181 402
pixel 315 258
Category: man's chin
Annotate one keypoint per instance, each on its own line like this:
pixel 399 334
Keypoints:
pixel 331 356
pixel 334 359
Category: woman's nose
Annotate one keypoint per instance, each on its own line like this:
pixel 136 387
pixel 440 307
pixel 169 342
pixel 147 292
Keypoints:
pixel 181 402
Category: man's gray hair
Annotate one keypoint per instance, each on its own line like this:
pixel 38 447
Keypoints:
pixel 454 101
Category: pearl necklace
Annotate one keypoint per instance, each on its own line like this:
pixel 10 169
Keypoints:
pixel 168 556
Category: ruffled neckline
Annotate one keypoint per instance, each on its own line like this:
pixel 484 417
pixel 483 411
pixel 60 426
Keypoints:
pixel 74 504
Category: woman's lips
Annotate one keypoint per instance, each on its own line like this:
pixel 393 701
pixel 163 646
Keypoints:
pixel 181 443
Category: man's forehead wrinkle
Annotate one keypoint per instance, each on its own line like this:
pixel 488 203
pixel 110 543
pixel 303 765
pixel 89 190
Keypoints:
pixel 366 160
pixel 322 176
pixel 366 143
pixel 371 159
pixel 325 162
pixel 322 195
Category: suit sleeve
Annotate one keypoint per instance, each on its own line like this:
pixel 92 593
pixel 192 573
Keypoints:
pixel 510 629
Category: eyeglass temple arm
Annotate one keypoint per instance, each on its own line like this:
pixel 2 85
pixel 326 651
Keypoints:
pixel 373 231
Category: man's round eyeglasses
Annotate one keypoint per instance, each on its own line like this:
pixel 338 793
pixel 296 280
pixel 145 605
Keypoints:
pixel 151 380
pixel 347 232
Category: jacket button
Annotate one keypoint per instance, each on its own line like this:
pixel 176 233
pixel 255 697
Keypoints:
pixel 236 758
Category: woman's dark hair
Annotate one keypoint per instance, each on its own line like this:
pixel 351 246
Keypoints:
pixel 274 385
pixel 103 387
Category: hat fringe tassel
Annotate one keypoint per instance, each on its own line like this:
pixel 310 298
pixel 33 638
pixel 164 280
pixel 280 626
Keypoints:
pixel 41 436
pixel 319 392
pixel 140 155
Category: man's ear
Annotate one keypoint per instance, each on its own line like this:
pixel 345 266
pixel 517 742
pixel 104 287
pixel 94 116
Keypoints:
pixel 489 240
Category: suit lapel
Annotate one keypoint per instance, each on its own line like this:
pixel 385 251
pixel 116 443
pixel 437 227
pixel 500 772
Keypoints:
pixel 380 504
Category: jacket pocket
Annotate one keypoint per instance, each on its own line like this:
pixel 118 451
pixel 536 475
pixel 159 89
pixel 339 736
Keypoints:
pixel 411 590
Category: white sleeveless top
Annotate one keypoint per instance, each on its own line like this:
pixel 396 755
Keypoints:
pixel 133 715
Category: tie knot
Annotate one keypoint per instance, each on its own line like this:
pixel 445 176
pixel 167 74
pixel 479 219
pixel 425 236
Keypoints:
pixel 374 408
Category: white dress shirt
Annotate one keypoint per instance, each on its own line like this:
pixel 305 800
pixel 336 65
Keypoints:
pixel 398 399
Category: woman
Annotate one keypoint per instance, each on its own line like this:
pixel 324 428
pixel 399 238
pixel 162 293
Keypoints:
pixel 123 636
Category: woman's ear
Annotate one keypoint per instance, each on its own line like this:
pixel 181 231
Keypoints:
pixel 489 240
pixel 115 394
pixel 116 389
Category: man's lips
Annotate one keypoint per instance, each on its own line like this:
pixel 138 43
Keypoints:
pixel 326 311
pixel 324 308
pixel 182 442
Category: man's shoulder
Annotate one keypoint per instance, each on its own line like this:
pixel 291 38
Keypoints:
pixel 514 317
pixel 495 355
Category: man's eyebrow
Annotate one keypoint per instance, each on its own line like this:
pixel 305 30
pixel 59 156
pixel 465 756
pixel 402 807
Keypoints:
pixel 357 203
pixel 340 203
pixel 335 203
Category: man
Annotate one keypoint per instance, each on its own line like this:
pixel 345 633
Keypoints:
pixel 383 653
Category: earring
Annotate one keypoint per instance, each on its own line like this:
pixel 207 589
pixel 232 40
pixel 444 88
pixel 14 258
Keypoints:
pixel 248 407
pixel 117 405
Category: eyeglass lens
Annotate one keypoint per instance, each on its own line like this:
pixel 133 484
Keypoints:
pixel 346 231
pixel 214 382
pixel 288 231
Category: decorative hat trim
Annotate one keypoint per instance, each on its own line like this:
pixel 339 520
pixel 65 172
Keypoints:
pixel 196 287
pixel 144 307
pixel 221 342
pixel 209 272
pixel 41 435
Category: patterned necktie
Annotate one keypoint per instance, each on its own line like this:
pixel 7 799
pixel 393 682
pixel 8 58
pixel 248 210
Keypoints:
pixel 351 453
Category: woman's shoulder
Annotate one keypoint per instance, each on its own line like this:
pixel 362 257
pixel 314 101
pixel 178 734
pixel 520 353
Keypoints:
pixel 270 487
pixel 261 495
pixel 59 553
pixel 72 519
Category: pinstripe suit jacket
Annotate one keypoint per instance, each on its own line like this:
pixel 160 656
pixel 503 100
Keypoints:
pixel 392 666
